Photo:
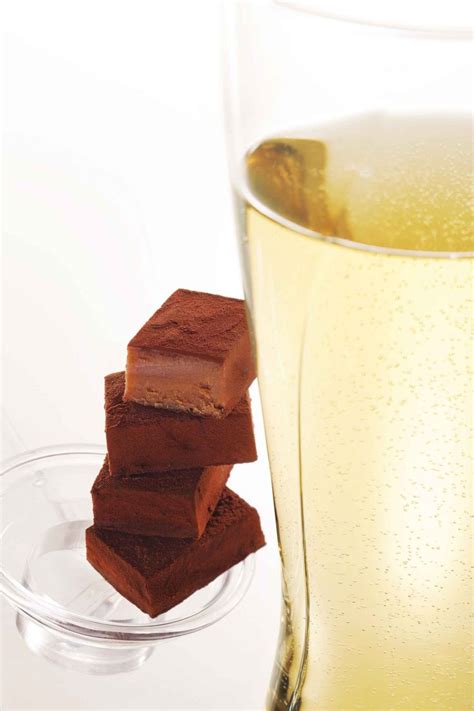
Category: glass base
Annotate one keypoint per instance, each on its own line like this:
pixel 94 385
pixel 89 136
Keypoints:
pixel 73 653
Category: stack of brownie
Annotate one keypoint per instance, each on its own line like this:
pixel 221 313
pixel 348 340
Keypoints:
pixel 165 524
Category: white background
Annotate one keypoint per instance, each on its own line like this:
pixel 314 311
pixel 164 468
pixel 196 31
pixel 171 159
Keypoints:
pixel 115 194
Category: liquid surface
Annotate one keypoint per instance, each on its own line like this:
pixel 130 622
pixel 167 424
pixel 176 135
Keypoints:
pixel 365 370
pixel 403 182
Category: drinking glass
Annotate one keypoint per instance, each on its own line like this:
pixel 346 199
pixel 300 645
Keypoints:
pixel 350 144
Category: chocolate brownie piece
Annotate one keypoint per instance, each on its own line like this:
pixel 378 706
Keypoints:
pixel 156 574
pixel 192 355
pixel 173 503
pixel 144 439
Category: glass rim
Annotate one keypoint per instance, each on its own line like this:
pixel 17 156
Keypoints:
pixel 422 31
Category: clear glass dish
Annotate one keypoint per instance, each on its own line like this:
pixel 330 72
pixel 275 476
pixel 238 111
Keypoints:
pixel 66 611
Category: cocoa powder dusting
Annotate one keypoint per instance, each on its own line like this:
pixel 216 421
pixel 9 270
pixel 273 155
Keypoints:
pixel 183 481
pixel 194 323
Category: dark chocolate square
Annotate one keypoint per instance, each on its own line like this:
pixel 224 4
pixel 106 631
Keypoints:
pixel 193 355
pixel 144 439
pixel 158 573
pixel 171 504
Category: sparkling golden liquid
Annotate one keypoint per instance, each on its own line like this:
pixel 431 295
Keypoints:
pixel 365 370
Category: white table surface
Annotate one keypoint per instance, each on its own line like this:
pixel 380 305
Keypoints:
pixel 115 194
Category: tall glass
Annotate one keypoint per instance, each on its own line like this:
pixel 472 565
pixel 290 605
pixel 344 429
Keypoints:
pixel 350 141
